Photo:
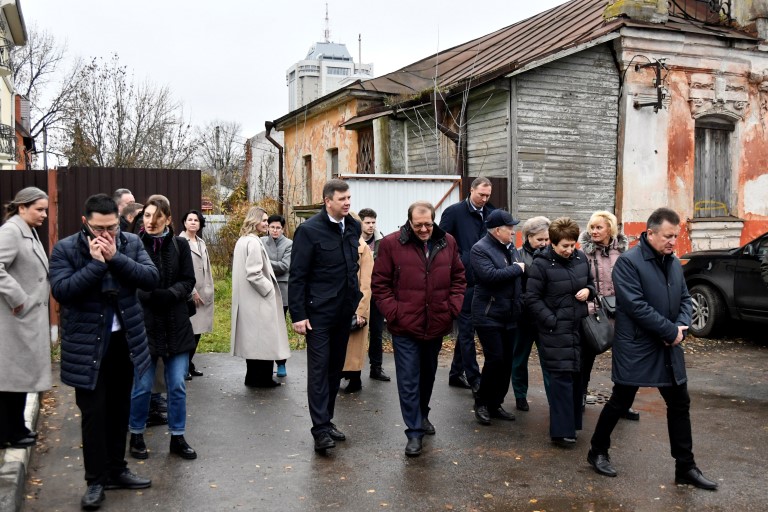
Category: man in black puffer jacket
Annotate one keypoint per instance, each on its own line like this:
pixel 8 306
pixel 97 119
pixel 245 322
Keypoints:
pixel 94 275
pixel 559 284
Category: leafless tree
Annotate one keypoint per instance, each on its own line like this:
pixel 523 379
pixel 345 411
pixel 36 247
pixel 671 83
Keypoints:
pixel 221 152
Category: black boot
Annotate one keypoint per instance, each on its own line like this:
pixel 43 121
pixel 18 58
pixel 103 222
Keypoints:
pixel 180 447
pixel 138 448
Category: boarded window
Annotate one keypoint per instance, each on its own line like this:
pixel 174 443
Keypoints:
pixel 332 163
pixel 308 179
pixel 712 168
pixel 365 151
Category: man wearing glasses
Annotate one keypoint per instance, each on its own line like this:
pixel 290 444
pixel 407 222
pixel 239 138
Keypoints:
pixel 418 283
pixel 94 275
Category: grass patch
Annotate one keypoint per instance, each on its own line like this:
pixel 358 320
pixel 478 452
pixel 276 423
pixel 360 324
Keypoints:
pixel 218 340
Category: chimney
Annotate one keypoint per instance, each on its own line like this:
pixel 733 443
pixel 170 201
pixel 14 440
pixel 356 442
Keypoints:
pixel 653 11
pixel 748 13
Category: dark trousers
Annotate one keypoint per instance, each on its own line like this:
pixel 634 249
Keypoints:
pixel 564 403
pixel 192 352
pixel 104 413
pixel 376 333
pixel 464 354
pixel 258 372
pixel 285 314
pixel 526 337
pixel 12 427
pixel 326 351
pixel 498 345
pixel 678 421
pixel 415 367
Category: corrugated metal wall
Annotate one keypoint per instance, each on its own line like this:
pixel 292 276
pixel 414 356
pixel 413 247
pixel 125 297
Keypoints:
pixel 428 150
pixel 12 181
pixel 487 141
pixel 390 195
pixel 565 115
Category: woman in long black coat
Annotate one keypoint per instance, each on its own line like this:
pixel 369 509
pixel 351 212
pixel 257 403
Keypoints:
pixel 559 284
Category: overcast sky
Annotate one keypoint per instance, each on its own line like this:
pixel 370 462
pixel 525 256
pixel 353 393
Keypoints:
pixel 226 59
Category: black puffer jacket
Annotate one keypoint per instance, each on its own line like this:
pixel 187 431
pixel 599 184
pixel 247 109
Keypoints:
pixel 550 297
pixel 90 293
pixel 165 309
pixel 496 299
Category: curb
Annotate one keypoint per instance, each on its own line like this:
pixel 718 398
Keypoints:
pixel 15 461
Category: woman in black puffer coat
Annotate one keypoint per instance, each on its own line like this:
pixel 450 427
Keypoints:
pixel 169 329
pixel 559 284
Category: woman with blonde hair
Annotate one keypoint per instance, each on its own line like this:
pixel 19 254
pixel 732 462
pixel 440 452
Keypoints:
pixel 603 244
pixel 356 347
pixel 25 359
pixel 259 334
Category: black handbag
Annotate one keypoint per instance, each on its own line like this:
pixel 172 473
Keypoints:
pixel 598 331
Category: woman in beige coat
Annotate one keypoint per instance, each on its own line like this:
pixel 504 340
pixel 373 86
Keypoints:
pixel 202 294
pixel 259 334
pixel 25 357
pixel 357 346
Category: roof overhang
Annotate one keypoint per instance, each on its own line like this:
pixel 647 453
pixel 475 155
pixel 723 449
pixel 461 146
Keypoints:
pixel 564 53
pixel 320 105
pixel 16 26
pixel 361 121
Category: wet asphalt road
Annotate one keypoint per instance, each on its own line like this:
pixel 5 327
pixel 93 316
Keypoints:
pixel 255 450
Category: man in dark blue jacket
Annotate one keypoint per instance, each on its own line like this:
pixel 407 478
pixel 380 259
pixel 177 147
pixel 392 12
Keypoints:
pixel 94 275
pixel 323 294
pixel 466 222
pixel 653 312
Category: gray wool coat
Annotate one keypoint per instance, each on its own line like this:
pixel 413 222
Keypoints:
pixel 25 350
pixel 279 252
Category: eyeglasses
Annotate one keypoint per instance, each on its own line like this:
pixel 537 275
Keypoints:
pixel 97 230
pixel 425 225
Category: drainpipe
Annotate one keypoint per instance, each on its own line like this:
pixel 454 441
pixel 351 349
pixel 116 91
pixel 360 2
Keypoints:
pixel 280 199
pixel 459 139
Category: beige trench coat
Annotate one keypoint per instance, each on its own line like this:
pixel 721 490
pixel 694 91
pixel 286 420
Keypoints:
pixel 25 350
pixel 258 324
pixel 358 340
pixel 202 321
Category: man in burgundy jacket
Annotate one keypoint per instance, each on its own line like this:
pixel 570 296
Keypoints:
pixel 418 284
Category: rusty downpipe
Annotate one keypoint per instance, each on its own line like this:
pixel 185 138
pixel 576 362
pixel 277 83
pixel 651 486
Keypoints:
pixel 269 125
pixel 459 139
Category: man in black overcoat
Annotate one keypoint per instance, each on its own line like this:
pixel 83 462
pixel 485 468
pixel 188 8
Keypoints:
pixel 323 294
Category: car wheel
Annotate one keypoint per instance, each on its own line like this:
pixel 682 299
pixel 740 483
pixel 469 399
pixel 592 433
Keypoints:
pixel 708 311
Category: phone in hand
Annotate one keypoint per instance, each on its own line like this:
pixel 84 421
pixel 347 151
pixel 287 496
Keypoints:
pixel 87 231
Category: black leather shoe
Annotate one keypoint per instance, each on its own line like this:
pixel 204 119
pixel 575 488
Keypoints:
pixel 601 462
pixel 355 385
pixel 521 404
pixel 137 447
pixel 631 414
pixel 93 497
pixel 694 477
pixel 564 442
pixel 188 377
pixel 428 427
pixel 195 373
pixel 158 405
pixel 180 447
pixel 481 415
pixel 127 480
pixel 501 414
pixel 459 381
pixel 24 442
pixel 336 434
pixel 324 442
pixel 377 373
pixel 156 418
pixel 413 448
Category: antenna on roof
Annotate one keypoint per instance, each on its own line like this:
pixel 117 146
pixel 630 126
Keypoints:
pixel 360 49
pixel 327 25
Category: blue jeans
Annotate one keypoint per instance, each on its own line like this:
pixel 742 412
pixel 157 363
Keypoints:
pixel 176 367
pixel 415 367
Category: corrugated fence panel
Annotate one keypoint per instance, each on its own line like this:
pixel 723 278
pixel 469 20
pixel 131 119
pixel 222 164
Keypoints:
pixel 566 137
pixel 487 144
pixel 390 195
pixel 11 181
pixel 428 150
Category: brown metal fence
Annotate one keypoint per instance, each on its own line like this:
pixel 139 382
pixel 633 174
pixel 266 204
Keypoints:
pixel 12 180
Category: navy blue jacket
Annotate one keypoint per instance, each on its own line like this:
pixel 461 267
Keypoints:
pixel 652 300
pixel 467 226
pixel 498 284
pixel 323 285
pixel 91 293
pixel 550 297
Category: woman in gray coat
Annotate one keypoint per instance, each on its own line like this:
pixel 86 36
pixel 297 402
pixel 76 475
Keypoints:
pixel 278 247
pixel 25 360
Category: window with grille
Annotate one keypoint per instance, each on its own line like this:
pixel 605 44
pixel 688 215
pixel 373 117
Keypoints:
pixel 365 159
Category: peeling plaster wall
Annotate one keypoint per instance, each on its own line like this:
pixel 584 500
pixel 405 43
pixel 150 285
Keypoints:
pixel 656 153
pixel 315 136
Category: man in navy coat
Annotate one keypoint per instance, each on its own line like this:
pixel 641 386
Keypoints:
pixel 323 294
pixel 653 312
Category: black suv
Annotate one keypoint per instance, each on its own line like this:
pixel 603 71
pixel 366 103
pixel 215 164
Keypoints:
pixel 726 283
